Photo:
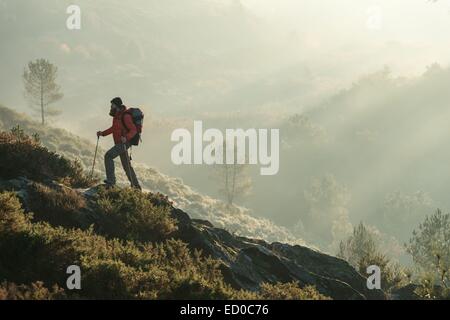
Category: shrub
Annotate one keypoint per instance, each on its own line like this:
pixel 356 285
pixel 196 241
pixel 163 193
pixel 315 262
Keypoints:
pixel 12 217
pixel 289 291
pixel 59 206
pixel 129 214
pixel 159 199
pixel 22 155
pixel 34 291
pixel 430 286
pixel 77 178
pixel 393 275
pixel 361 250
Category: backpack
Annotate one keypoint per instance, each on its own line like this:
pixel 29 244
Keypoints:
pixel 138 119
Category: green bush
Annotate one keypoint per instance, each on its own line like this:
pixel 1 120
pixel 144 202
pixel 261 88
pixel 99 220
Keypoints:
pixel 361 251
pixel 22 155
pixel 77 178
pixel 34 291
pixel 433 286
pixel 289 291
pixel 12 217
pixel 393 275
pixel 159 199
pixel 129 214
pixel 58 205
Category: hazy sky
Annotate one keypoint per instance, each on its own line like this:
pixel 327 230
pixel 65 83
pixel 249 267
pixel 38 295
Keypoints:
pixel 405 33
pixel 337 41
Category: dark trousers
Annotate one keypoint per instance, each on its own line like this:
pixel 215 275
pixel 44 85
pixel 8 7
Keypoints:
pixel 119 150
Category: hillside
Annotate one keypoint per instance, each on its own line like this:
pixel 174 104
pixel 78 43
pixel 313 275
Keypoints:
pixel 136 245
pixel 374 152
pixel 162 52
pixel 236 219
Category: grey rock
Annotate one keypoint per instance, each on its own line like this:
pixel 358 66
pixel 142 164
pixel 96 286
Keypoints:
pixel 249 262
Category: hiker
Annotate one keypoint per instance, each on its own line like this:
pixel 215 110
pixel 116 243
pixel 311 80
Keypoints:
pixel 124 131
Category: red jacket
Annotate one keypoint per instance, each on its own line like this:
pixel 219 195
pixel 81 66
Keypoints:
pixel 118 130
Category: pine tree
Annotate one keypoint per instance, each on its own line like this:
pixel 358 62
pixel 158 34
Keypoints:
pixel 41 89
pixel 234 179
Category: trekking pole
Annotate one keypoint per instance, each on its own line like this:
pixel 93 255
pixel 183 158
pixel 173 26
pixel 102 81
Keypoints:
pixel 95 156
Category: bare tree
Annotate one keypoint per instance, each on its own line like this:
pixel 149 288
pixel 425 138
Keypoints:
pixel 234 179
pixel 41 89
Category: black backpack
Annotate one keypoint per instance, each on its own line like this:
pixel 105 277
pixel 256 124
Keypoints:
pixel 138 119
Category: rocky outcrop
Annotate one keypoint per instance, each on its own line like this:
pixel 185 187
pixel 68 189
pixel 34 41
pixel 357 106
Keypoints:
pixel 249 262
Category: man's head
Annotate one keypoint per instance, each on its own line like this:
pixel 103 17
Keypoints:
pixel 116 106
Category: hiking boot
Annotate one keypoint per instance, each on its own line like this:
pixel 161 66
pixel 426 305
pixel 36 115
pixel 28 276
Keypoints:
pixel 108 185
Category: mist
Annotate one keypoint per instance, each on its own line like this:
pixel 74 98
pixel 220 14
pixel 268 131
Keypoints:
pixel 358 89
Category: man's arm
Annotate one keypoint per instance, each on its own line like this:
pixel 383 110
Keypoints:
pixel 132 130
pixel 107 132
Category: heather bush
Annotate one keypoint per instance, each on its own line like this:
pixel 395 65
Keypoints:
pixel 22 155
pixel 130 214
pixel 34 291
pixel 361 251
pixel 57 205
pixel 289 291
pixel 12 217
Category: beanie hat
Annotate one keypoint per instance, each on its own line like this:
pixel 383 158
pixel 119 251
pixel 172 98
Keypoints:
pixel 117 101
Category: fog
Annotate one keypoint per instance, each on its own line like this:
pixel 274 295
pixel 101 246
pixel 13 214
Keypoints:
pixel 358 88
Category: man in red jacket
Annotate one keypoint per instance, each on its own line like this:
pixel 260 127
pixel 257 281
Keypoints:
pixel 123 130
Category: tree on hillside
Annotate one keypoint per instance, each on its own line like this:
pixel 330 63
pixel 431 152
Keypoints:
pixel 431 241
pixel 402 212
pixel 234 179
pixel 362 250
pixel 358 246
pixel 430 250
pixel 41 89
pixel 326 220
